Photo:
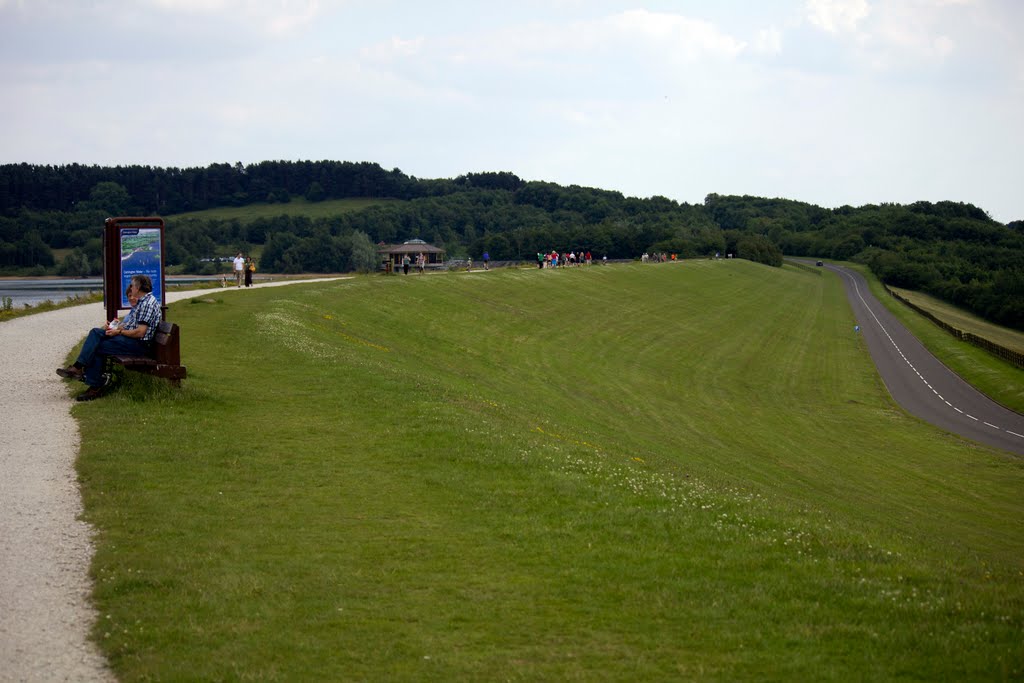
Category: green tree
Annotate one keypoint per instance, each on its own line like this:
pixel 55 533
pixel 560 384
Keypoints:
pixel 108 198
pixel 191 265
pixel 31 250
pixel 363 254
pixel 75 264
pixel 8 253
pixel 315 192
pixel 760 249
pixel 273 258
pixel 849 247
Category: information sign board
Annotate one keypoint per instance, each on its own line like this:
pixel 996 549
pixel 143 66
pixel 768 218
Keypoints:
pixel 132 246
pixel 141 254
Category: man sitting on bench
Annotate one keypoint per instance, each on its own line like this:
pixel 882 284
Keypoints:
pixel 131 337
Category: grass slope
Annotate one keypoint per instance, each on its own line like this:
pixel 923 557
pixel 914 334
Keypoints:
pixel 965 320
pixel 622 473
pixel 296 207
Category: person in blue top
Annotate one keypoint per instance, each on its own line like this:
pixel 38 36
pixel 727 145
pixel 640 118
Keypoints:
pixel 132 336
pixel 487 259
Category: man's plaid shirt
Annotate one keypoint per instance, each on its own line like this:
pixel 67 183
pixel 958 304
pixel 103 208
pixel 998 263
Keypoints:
pixel 146 311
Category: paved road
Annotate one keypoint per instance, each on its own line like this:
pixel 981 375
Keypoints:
pixel 921 384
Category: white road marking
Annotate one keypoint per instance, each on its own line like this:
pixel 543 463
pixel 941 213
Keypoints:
pixel 856 288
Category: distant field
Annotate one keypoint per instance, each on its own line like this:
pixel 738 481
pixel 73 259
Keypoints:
pixel 687 471
pixel 964 320
pixel 296 207
pixel 992 376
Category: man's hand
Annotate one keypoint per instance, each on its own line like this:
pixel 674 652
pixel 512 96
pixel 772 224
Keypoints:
pixel 137 333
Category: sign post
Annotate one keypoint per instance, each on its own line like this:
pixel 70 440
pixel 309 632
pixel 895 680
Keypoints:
pixel 132 246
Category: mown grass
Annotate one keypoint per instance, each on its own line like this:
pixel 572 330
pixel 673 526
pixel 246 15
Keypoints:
pixel 298 206
pixel 965 320
pixel 616 473
pixel 994 377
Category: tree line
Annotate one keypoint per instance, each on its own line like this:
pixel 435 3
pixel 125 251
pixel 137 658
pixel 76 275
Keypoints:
pixel 951 250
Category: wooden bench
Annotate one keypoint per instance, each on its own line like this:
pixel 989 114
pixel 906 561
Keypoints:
pixel 165 358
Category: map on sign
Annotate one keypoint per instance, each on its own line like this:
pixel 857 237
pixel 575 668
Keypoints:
pixel 140 255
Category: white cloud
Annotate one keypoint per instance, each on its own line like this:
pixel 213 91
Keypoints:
pixel 623 34
pixel 194 6
pixel 768 41
pixel 824 101
pixel 899 34
pixel 293 15
pixel 837 16
pixel 393 49
pixel 613 56
pixel 914 28
pixel 680 37
pixel 281 17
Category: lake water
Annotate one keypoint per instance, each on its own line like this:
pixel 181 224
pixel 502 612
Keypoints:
pixel 35 291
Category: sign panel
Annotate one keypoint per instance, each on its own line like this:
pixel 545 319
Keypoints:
pixel 141 251
pixel 131 246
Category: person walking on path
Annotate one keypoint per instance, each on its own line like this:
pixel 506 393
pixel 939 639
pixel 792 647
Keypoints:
pixel 487 260
pixel 250 268
pixel 239 266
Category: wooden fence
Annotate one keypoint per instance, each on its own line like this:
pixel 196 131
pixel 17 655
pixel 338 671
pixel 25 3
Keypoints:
pixel 803 266
pixel 1009 355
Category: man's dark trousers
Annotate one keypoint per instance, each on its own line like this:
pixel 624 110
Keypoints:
pixel 98 345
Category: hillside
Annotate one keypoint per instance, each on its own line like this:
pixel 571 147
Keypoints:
pixel 950 250
pixel 299 206
pixel 630 472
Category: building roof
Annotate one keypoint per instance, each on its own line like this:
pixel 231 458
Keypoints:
pixel 410 247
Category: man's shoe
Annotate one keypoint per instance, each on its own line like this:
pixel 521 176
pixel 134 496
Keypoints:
pixel 90 394
pixel 70 372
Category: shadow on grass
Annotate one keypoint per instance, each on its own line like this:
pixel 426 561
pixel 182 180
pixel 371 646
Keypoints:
pixel 141 388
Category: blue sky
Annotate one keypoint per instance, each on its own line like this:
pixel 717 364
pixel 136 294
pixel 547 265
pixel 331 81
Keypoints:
pixel 827 101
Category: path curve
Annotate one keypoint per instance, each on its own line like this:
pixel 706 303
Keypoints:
pixel 920 383
pixel 45 549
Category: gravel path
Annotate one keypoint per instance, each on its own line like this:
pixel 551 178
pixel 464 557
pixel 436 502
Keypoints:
pixel 45 549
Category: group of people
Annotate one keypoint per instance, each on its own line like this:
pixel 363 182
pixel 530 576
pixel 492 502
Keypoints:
pixel 657 258
pixel 555 260
pixel 244 267
pixel 421 263
pixel 131 336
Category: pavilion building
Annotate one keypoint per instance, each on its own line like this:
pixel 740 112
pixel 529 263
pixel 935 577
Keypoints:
pixel 392 254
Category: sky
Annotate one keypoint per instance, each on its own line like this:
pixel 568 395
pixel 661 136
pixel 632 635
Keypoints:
pixel 832 102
